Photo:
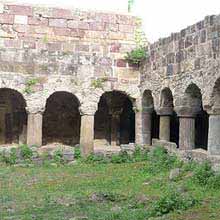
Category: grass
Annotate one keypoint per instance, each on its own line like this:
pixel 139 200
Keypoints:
pixel 106 191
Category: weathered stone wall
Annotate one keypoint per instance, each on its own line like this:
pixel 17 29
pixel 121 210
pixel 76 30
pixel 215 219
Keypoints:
pixel 43 50
pixel 190 56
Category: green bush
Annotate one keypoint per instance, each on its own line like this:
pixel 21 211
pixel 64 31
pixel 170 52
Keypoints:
pixel 159 160
pixel 92 158
pixel 58 156
pixel 122 157
pixel 214 182
pixel 26 152
pixel 171 201
pixel 136 56
pixel 202 173
pixel 77 153
pixel 9 157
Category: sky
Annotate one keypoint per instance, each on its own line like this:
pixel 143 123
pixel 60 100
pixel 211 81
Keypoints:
pixel 160 17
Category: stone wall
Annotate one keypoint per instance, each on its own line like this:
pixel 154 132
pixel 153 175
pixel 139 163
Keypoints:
pixel 43 50
pixel 190 56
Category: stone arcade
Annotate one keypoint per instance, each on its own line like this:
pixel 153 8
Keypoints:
pixel 64 79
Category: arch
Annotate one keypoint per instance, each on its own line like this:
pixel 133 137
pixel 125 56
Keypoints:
pixel 114 119
pixel 61 119
pixel 147 100
pixel 215 98
pixel 193 97
pixel 166 99
pixel 193 100
pixel 13 117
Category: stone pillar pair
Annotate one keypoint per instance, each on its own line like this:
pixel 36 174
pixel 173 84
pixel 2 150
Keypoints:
pixel 34 131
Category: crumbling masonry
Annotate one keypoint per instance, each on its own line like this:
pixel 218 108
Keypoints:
pixel 64 79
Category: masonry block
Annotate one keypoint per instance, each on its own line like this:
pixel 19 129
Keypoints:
pixel 20 10
pixel 21 19
pixel 58 23
pixel 6 19
pixel 120 63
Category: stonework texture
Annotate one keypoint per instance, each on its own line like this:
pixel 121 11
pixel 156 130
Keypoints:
pixel 191 56
pixel 65 50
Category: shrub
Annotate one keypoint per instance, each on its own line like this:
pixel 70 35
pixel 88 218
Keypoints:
pixel 122 157
pixel 214 181
pixel 159 160
pixel 77 153
pixel 171 201
pixel 202 173
pixel 26 152
pixel 136 56
pixel 58 156
pixel 140 154
pixel 9 157
pixel 92 158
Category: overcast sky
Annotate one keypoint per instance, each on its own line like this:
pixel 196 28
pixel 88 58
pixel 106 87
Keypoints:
pixel 160 17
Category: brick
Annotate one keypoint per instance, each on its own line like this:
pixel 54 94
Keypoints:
pixel 29 44
pixel 115 47
pixel 78 25
pixel 77 33
pixel 62 31
pixel 126 28
pixel 58 23
pixel 21 19
pixel 112 79
pixel 120 63
pixel 105 61
pixel 13 43
pixel 20 28
pixel 6 19
pixel 38 21
pixel 62 13
pixel 111 27
pixel 81 47
pixel 20 10
pixel 56 46
pixel 96 26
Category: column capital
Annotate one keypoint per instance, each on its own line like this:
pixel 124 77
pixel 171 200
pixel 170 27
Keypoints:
pixel 148 110
pixel 186 112
pixel 35 110
pixel 213 111
pixel 165 111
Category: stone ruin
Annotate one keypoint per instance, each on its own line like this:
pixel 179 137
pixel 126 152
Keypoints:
pixel 64 78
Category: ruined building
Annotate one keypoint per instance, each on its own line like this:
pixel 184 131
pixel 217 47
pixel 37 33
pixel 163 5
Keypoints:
pixel 64 79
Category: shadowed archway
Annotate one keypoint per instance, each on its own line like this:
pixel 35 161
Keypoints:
pixel 61 119
pixel 193 100
pixel 13 117
pixel 114 120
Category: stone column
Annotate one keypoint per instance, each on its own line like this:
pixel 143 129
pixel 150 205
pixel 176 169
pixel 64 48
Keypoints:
pixel 87 134
pixel 165 116
pixel 187 132
pixel 138 127
pixel 146 125
pixel 34 129
pixel 2 124
pixel 164 128
pixel 214 134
